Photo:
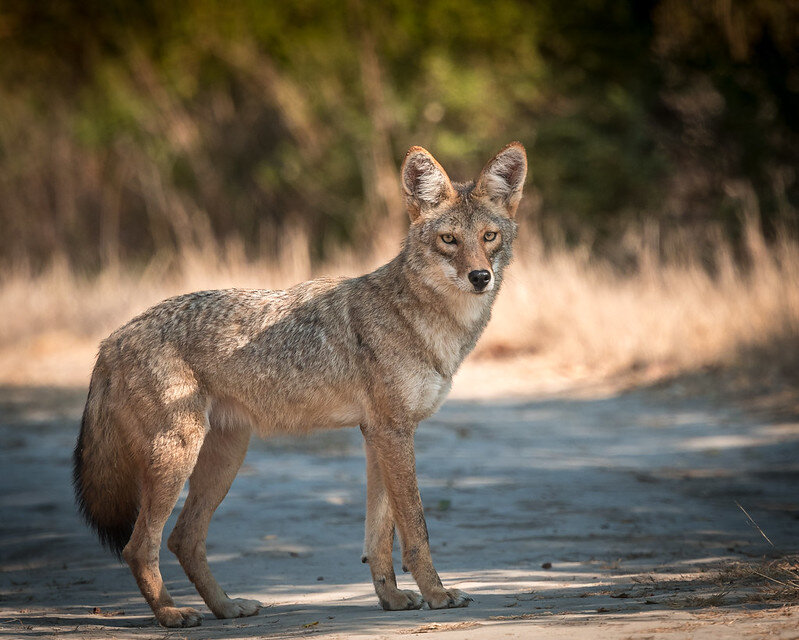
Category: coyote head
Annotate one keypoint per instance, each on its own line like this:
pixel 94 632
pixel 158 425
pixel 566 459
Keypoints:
pixel 461 234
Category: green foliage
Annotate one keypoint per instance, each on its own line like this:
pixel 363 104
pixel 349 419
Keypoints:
pixel 128 128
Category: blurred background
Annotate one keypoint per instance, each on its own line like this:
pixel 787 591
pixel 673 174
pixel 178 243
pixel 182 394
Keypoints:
pixel 151 148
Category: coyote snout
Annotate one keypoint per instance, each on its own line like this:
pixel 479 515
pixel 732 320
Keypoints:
pixel 176 391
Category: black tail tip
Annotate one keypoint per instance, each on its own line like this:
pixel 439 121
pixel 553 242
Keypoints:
pixel 113 535
pixel 114 538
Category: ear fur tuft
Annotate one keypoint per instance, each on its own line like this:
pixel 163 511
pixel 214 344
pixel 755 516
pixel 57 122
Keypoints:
pixel 502 179
pixel 425 184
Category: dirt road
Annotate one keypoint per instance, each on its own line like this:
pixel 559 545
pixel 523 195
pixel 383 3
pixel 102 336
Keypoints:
pixel 564 517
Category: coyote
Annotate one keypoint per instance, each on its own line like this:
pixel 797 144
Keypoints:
pixel 176 392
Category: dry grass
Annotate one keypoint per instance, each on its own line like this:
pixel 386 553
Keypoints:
pixel 763 582
pixel 576 315
pixel 698 601
pixel 669 315
pixel 778 580
pixel 773 583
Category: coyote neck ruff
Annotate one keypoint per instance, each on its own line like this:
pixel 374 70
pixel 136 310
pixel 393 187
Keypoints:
pixel 176 391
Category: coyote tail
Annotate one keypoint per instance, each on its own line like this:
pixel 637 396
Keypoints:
pixel 106 487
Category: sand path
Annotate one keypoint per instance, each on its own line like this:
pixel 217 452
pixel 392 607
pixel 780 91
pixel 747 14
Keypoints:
pixel 564 516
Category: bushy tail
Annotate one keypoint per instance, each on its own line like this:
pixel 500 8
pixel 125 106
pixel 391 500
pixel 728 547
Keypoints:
pixel 106 487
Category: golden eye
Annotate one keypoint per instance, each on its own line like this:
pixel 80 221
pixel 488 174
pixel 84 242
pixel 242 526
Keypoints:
pixel 490 236
pixel 448 238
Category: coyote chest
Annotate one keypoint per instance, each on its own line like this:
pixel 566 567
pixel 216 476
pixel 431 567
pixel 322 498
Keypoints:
pixel 427 392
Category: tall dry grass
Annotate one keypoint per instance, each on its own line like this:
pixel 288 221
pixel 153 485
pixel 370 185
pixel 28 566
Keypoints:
pixel 671 310
pixel 671 313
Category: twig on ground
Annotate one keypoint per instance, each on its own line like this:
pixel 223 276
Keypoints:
pixel 762 533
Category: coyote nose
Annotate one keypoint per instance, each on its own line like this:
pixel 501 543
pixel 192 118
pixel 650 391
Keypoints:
pixel 479 279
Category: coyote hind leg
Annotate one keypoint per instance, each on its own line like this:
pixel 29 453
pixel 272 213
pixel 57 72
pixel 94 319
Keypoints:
pixel 169 463
pixel 219 461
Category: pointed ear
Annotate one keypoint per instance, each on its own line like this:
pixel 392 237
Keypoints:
pixel 503 177
pixel 425 184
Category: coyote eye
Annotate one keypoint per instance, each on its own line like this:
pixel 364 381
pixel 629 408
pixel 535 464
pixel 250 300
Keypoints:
pixel 448 238
pixel 489 236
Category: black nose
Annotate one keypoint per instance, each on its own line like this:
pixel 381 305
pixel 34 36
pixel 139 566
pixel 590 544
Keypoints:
pixel 479 279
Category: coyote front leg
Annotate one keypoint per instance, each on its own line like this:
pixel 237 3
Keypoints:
pixel 379 541
pixel 392 446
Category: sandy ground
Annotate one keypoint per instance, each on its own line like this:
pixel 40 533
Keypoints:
pixel 565 515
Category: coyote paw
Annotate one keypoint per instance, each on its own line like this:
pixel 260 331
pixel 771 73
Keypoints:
pixel 448 598
pixel 178 617
pixel 238 608
pixel 399 600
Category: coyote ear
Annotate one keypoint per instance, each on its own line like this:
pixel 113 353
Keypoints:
pixel 503 177
pixel 425 184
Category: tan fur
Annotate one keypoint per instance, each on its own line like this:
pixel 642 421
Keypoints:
pixel 177 390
